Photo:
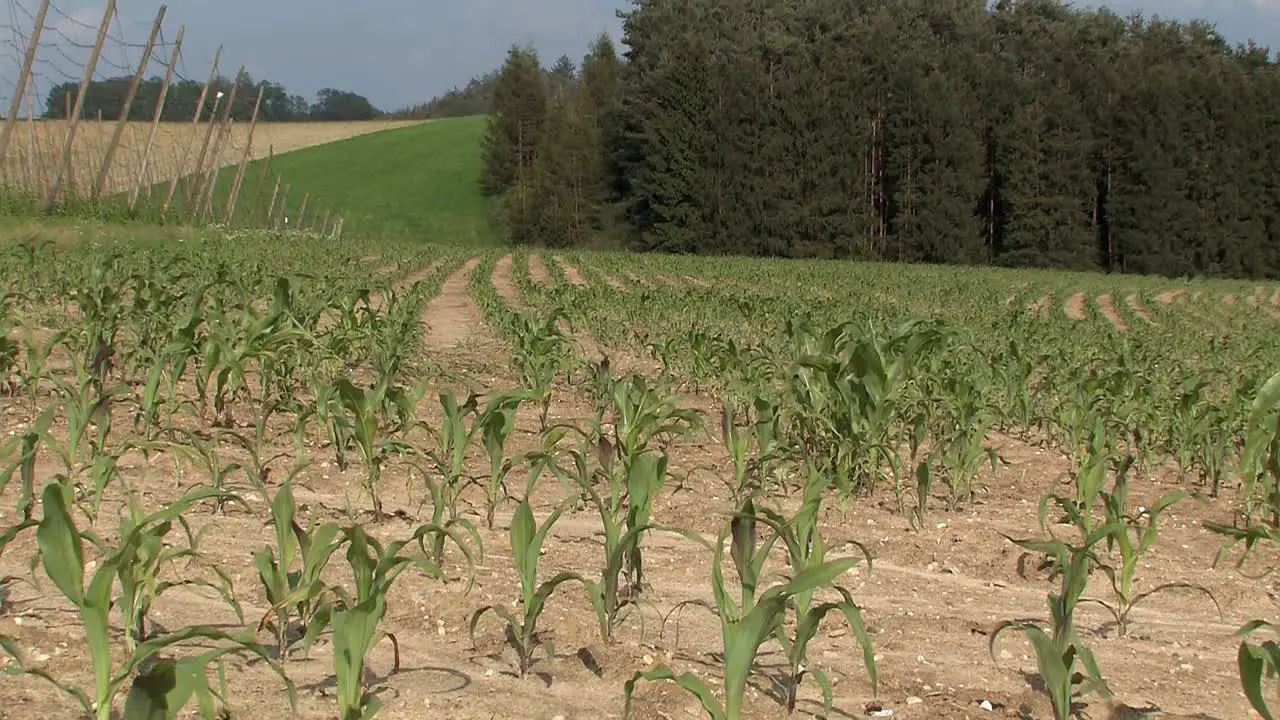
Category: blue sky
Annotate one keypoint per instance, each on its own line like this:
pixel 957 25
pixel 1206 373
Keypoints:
pixel 400 52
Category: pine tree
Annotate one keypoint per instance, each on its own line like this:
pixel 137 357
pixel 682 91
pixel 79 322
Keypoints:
pixel 515 125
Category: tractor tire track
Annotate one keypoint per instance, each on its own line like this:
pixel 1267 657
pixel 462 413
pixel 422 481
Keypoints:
pixel 452 318
pixel 1135 304
pixel 1107 307
pixel 1074 307
pixel 538 271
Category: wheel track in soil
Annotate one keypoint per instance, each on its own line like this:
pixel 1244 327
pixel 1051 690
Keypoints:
pixel 452 318
pixel 538 271
pixel 1074 307
pixel 1134 301
pixel 1107 306
pixel 504 285
pixel 570 272
pixel 587 345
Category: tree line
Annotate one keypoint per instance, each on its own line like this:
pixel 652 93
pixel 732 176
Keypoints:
pixel 107 97
pixel 1026 133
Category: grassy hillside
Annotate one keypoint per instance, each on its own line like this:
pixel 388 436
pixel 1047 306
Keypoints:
pixel 419 182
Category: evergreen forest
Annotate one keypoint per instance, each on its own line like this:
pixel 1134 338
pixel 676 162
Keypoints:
pixel 1029 133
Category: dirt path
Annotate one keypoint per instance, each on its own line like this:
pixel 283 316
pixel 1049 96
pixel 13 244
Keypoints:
pixel 452 318
pixel 571 273
pixel 696 282
pixel 502 282
pixel 616 284
pixel 1169 296
pixel 1229 299
pixel 419 275
pixel 1040 306
pixel 376 300
pixel 1107 307
pixel 537 271
pixel 638 280
pixel 1275 297
pixel 1074 308
pixel 1134 301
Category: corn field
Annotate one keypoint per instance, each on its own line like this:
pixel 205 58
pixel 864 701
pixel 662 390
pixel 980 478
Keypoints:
pixel 272 474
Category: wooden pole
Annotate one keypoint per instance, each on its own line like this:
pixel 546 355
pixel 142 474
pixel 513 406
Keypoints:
pixel 271 209
pixel 24 76
pixel 66 102
pixel 155 119
pixel 198 172
pixel 216 152
pixel 114 144
pixel 262 184
pixel 35 167
pixel 300 221
pixel 244 158
pixel 337 230
pixel 60 173
pixel 195 128
pixel 284 208
pixel 324 226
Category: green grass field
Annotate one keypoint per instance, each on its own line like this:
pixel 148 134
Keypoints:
pixel 415 183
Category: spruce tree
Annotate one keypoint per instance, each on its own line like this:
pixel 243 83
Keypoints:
pixel 515 123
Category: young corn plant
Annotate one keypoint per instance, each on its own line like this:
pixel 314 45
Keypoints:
pixel 355 618
pixel 1067 666
pixel 142 554
pixel 495 425
pixel 299 598
pixel 751 470
pixel 363 422
pixel 454 438
pixel 84 450
pixel 541 351
pixel 746 624
pixel 616 591
pixel 806 549
pixel 526 546
pixel 1260 466
pixel 641 415
pixel 1134 534
pixel 158 687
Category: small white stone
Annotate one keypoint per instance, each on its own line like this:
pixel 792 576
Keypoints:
pixel 647 660
pixel 986 705
pixel 913 700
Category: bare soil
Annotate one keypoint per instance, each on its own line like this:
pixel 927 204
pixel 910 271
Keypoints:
pixel 931 600
pixel 1168 297
pixel 642 282
pixel 1134 301
pixel 1107 307
pixel 1074 307
pixel 538 271
pixel 452 317
pixel 571 273
pixel 1040 306
pixel 502 282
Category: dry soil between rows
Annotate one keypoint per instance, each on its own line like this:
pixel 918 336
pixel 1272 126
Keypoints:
pixel 452 317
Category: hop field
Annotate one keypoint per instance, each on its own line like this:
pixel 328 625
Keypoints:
pixel 280 474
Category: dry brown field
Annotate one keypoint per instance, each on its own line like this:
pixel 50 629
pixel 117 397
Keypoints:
pixel 36 146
